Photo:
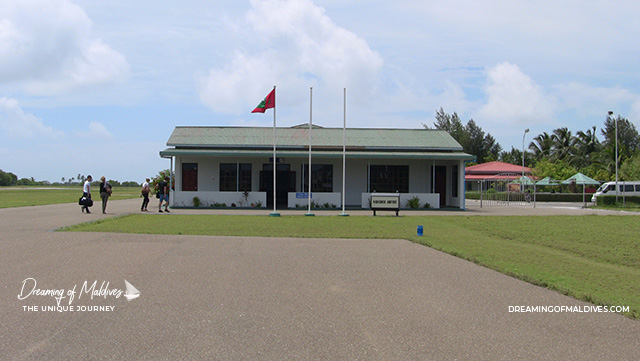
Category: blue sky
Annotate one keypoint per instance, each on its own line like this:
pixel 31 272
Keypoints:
pixel 96 87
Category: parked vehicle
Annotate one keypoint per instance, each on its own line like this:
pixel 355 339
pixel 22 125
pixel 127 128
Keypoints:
pixel 625 188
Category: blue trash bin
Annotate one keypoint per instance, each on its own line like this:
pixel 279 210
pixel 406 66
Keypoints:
pixel 419 230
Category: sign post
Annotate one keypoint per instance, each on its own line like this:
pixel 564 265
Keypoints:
pixel 385 202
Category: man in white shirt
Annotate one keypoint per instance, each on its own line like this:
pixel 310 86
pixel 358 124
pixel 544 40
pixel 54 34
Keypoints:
pixel 145 194
pixel 86 192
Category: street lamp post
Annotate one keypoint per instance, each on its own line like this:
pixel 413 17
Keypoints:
pixel 616 121
pixel 522 179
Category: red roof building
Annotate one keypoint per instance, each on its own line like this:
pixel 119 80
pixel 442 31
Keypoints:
pixel 495 170
pixel 490 171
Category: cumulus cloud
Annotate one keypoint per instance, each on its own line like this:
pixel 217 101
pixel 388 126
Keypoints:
pixel 15 123
pixel 295 44
pixel 46 46
pixel 513 98
pixel 95 130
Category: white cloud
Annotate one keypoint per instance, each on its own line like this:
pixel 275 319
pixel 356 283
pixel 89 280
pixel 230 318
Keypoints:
pixel 296 45
pixel 46 46
pixel 513 98
pixel 596 101
pixel 95 130
pixel 15 123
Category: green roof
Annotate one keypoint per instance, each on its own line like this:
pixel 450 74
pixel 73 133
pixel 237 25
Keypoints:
pixel 367 139
pixel 325 154
pixel 580 178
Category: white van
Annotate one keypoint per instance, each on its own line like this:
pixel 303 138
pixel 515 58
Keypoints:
pixel 626 189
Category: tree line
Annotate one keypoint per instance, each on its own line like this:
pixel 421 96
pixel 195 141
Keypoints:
pixel 558 154
pixel 10 179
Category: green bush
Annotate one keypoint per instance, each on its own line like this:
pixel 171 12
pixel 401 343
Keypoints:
pixel 413 203
pixel 196 202
pixel 540 197
pixel 561 197
pixel 610 200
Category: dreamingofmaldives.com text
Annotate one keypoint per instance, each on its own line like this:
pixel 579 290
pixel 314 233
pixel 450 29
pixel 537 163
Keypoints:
pixel 577 309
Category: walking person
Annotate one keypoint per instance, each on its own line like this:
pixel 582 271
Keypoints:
pixel 145 195
pixel 163 191
pixel 105 193
pixel 86 192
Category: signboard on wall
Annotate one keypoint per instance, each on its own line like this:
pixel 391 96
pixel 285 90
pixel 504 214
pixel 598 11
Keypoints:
pixel 385 202
pixel 389 202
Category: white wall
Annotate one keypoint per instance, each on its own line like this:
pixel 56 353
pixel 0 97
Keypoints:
pixel 432 198
pixel 207 198
pixel 356 179
pixel 318 197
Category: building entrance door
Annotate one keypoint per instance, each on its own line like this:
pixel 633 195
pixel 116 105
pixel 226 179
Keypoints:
pixel 285 183
pixel 440 183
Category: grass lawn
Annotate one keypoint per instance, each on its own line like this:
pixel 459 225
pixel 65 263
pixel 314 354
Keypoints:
pixel 37 196
pixel 592 258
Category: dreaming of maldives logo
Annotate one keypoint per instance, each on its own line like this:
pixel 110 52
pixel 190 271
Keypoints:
pixel 87 289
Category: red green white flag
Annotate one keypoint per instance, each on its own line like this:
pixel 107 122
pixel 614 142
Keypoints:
pixel 268 102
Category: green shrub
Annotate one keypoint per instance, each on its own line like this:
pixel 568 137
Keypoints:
pixel 196 202
pixel 610 200
pixel 561 197
pixel 413 203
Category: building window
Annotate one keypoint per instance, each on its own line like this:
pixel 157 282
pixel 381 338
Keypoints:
pixel 454 181
pixel 235 177
pixel 321 177
pixel 389 178
pixel 189 177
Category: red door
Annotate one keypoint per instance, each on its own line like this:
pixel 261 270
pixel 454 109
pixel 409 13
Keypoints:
pixel 440 185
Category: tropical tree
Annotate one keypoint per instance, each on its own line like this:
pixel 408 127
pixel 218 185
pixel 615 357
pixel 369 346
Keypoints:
pixel 555 169
pixel 562 143
pixel 630 169
pixel 541 146
pixel 160 177
pixel 514 156
pixel 628 138
pixel 585 148
pixel 7 178
pixel 470 136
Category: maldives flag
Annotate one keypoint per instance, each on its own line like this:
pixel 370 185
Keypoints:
pixel 268 102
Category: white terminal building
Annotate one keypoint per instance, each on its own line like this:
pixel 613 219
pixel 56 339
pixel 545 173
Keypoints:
pixel 233 166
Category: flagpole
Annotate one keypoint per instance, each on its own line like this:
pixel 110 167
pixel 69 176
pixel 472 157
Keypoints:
pixel 275 213
pixel 310 122
pixel 344 150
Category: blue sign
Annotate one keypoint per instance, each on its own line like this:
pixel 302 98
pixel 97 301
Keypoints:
pixel 304 195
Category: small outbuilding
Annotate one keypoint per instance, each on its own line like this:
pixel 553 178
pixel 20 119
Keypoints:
pixel 493 171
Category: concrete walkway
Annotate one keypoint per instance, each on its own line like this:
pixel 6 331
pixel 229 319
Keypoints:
pixel 231 298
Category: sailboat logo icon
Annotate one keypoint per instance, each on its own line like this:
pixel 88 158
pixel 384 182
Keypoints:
pixel 132 292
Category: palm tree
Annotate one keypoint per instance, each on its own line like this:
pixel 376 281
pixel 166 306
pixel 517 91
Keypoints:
pixel 585 144
pixel 541 146
pixel 563 143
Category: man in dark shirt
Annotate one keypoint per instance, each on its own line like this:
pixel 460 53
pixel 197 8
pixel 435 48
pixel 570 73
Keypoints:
pixel 163 190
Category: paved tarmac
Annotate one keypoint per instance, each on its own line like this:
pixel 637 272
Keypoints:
pixel 246 298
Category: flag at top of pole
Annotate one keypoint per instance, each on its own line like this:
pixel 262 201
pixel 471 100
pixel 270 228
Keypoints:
pixel 268 102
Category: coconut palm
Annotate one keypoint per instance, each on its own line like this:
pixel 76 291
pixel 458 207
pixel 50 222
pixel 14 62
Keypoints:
pixel 586 145
pixel 563 143
pixel 541 146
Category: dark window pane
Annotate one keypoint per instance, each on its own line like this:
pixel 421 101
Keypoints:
pixel 389 178
pixel 321 177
